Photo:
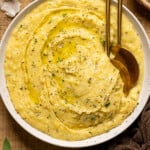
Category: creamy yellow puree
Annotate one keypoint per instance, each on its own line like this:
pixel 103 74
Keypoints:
pixel 58 75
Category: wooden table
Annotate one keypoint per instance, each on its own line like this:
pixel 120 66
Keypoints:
pixel 8 127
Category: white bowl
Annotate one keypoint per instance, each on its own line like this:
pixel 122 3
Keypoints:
pixel 144 94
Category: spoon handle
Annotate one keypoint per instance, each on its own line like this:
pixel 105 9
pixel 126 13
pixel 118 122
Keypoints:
pixel 108 27
pixel 119 22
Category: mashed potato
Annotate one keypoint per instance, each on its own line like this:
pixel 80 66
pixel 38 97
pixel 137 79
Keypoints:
pixel 58 75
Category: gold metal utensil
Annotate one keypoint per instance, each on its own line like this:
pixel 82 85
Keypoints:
pixel 123 60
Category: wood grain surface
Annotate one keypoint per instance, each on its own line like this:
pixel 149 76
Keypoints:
pixel 19 138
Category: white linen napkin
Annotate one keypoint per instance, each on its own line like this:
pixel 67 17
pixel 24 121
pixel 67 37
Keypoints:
pixel 11 7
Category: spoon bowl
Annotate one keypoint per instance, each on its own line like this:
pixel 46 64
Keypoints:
pixel 126 63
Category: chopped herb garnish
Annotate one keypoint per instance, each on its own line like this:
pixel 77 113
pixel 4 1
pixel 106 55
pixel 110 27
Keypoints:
pixel 90 132
pixel 21 88
pixel 33 64
pixel 21 26
pixel 59 59
pixel 48 116
pixel 35 40
pixel 89 80
pixel 94 105
pixel 103 42
pixel 64 15
pixel 92 117
pixel 87 100
pixel 49 22
pixel 8 75
pixel 45 54
pixel 107 104
pixel 53 75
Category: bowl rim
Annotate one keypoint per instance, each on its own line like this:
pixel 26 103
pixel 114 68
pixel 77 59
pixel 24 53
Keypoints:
pixel 99 139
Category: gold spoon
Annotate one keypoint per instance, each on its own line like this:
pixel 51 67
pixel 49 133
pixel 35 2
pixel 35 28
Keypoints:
pixel 123 59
